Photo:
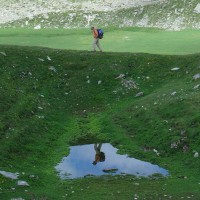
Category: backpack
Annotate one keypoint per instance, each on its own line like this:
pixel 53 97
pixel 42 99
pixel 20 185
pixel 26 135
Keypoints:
pixel 102 156
pixel 100 33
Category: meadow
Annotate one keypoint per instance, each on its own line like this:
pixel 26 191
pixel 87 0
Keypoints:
pixel 138 40
pixel 55 93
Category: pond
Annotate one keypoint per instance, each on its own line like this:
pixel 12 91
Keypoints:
pixel 101 159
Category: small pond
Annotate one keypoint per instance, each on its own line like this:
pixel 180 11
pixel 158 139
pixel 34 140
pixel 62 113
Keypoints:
pixel 87 160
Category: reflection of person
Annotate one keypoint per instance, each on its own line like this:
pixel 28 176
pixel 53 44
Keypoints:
pixel 99 156
pixel 96 39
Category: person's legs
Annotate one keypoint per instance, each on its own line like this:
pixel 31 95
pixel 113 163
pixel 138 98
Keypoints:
pixel 98 44
pixel 94 44
pixel 95 147
pixel 99 146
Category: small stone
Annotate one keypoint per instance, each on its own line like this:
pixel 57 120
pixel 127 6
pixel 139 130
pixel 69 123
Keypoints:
pixel 197 76
pixel 3 53
pixel 173 93
pixel 40 59
pixel 48 58
pixel 196 154
pixel 37 27
pixel 22 183
pixel 175 69
pixel 120 76
pixel 99 82
pixel 52 68
pixel 139 94
pixel 197 86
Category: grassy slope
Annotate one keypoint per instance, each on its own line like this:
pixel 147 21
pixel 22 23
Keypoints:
pixel 42 113
pixel 116 40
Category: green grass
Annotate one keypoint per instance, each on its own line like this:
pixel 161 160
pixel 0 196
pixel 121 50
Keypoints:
pixel 115 40
pixel 43 112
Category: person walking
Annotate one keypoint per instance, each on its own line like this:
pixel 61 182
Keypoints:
pixel 96 39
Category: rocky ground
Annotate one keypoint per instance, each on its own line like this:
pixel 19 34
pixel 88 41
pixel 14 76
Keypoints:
pixel 167 14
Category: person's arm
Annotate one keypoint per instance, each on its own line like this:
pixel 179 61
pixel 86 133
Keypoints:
pixel 95 33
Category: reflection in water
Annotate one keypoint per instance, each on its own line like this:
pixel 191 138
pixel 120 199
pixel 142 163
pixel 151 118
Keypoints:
pixel 99 156
pixel 80 163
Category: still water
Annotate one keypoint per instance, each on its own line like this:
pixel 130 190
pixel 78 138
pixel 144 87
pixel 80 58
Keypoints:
pixel 87 160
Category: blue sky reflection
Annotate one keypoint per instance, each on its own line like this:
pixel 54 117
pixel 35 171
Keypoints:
pixel 79 163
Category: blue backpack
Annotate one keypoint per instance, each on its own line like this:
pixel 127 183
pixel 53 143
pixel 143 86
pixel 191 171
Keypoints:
pixel 100 33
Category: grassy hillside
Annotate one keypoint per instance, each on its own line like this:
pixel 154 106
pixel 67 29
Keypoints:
pixel 51 99
pixel 144 40
pixel 166 14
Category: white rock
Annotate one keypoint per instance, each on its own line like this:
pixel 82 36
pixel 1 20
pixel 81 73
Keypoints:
pixel 52 68
pixel 197 76
pixel 156 151
pixel 197 8
pixel 9 174
pixel 173 93
pixel 22 183
pixel 37 27
pixel 99 82
pixel 196 154
pixel 48 58
pixel 175 69
pixel 3 53
pixel 40 59
pixel 197 86
pixel 139 94
pixel 120 76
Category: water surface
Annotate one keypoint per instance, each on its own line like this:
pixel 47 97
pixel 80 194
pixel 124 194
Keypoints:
pixel 80 163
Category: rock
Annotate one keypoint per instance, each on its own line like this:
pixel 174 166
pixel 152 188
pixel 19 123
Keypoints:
pixel 120 76
pixel 37 27
pixel 22 183
pixel 40 59
pixel 3 53
pixel 156 151
pixel 48 58
pixel 196 87
pixel 139 94
pixel 99 82
pixel 197 8
pixel 196 154
pixel 173 93
pixel 185 148
pixel 174 145
pixel 9 175
pixel 52 68
pixel 129 84
pixel 197 76
pixel 175 69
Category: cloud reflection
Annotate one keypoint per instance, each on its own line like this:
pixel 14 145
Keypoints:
pixel 79 163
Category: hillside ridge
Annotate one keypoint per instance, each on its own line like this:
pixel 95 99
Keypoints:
pixel 165 14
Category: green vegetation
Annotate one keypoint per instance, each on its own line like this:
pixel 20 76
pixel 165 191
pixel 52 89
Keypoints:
pixel 52 98
pixel 115 40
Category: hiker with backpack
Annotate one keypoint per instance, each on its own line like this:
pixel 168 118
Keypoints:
pixel 99 156
pixel 97 34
